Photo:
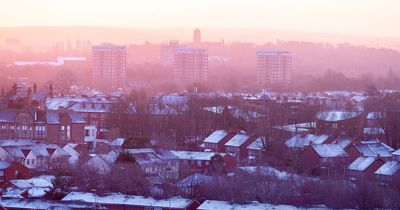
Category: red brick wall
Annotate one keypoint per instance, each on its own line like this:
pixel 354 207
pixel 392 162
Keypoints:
pixel 309 157
pixel 9 172
pixel 78 133
pixel 53 132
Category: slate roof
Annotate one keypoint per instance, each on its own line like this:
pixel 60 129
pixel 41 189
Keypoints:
pixel 8 115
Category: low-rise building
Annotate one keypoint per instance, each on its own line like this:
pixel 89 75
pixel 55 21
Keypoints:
pixel 13 170
pixel 363 167
pixel 388 172
pixel 55 126
pixel 216 141
pixel 325 159
pixel 237 145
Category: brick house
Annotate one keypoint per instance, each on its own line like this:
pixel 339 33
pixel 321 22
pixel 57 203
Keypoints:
pixel 370 148
pixel 55 126
pixel 337 123
pixel 36 156
pixel 237 145
pixel 388 172
pixel 363 167
pixel 324 159
pixel 255 149
pixel 13 170
pixel 215 142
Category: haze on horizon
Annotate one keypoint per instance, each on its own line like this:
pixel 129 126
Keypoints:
pixel 354 17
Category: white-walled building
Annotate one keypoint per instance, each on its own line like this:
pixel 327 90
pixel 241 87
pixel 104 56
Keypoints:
pixel 109 65
pixel 191 64
pixel 274 66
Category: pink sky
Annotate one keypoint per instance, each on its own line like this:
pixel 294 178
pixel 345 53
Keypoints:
pixel 380 18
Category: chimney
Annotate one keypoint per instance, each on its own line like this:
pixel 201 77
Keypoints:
pixel 84 105
pixel 92 105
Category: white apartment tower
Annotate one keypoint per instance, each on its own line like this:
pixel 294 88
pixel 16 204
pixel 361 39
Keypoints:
pixel 109 65
pixel 190 64
pixel 274 67
pixel 167 53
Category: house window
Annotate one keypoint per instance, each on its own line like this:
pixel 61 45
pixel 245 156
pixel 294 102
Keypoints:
pixel 68 132
pixel 40 131
pixel 334 125
pixel 62 132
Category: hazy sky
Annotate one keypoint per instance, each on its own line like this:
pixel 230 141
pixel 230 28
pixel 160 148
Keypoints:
pixel 362 17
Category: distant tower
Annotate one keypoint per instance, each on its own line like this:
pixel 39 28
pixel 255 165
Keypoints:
pixel 197 37
pixel 78 45
pixel 274 67
pixel 190 64
pixel 109 65
pixel 69 45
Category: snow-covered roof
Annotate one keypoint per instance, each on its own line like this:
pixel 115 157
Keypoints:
pixel 397 152
pixel 299 127
pixel 361 163
pixel 40 150
pixel 5 164
pixel 256 145
pixel 132 200
pixel 303 140
pixel 32 182
pixel 80 104
pixel 75 117
pixel 216 136
pixel 214 204
pixel 52 117
pixel 237 140
pixel 8 115
pixel 24 203
pixel 389 168
pixel 189 155
pixel 13 142
pixel 374 148
pixel 374 115
pixel 329 150
pixel 334 116
pixel 268 170
pixel 343 141
pixel 117 142
pixel 373 131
